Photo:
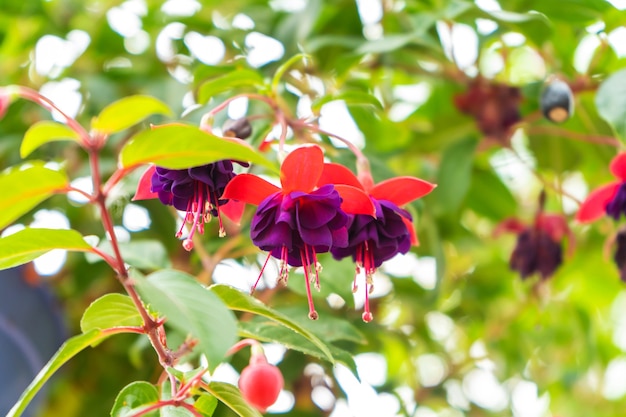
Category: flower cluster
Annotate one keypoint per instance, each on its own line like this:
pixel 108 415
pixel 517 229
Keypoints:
pixel 324 208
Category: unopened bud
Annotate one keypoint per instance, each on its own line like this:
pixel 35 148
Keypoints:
pixel 239 128
pixel 557 101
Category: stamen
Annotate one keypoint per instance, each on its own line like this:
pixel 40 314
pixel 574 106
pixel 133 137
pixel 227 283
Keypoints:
pixel 188 244
pixel 312 313
pixel 260 273
pixel 222 231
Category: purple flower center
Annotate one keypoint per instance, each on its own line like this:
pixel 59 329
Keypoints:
pixel 536 252
pixel 371 241
pixel 295 227
pixel 617 206
pixel 196 191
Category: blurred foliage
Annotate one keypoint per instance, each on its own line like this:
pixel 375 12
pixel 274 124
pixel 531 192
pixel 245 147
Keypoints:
pixel 400 80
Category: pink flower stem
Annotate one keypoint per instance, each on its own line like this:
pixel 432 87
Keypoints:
pixel 243 343
pixel 205 122
pixel 46 103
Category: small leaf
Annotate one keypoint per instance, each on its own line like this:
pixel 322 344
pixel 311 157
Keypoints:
pixel 231 397
pixel 28 244
pixel 25 187
pixel 206 404
pixel 127 112
pixel 237 300
pixel 43 132
pixel 110 311
pixel 67 351
pixel 180 146
pixel 191 308
pixel 235 79
pixel 134 397
pixel 611 102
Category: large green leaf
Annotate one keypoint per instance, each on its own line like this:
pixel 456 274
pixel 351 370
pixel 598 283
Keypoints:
pixel 127 112
pixel 43 132
pixel 192 309
pixel 67 351
pixel 28 244
pixel 180 146
pixel 133 398
pixel 237 300
pixel 26 186
pixel 271 331
pixel 109 311
pixel 611 102
pixel 231 397
pixel 235 79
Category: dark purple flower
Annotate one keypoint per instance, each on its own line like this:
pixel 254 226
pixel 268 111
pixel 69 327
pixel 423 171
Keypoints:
pixel 195 191
pixel 537 252
pixel 620 253
pixel 304 217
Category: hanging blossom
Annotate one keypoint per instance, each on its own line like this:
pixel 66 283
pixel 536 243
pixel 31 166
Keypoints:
pixel 303 218
pixel 373 240
pixel 539 247
pixel 196 191
pixel 609 199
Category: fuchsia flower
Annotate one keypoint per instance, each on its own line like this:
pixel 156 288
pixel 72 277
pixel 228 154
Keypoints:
pixel 195 190
pixel 373 240
pixel 609 199
pixel 305 217
pixel 539 245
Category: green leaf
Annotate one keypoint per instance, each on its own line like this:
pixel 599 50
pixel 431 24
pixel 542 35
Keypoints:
pixel 142 254
pixel 611 102
pixel 26 186
pixel 127 112
pixel 67 351
pixel 237 300
pixel 134 397
pixel 28 244
pixel 179 147
pixel 235 79
pixel 355 98
pixel 43 132
pixel 270 331
pixel 489 197
pixel 286 66
pixel 206 404
pixel 455 174
pixel 231 397
pixel 330 329
pixel 191 308
pixel 110 311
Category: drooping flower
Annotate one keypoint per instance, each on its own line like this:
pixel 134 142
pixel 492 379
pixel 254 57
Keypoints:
pixel 609 199
pixel 539 245
pixel 373 240
pixel 195 190
pixel 304 217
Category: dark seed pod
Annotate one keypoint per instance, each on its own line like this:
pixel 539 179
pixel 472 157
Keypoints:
pixel 557 101
pixel 239 128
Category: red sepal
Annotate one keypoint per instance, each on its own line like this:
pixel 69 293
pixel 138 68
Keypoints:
pixel 509 225
pixel 144 191
pixel 401 190
pixel 554 225
pixel 338 174
pixel 618 166
pixel 594 205
pixel 355 201
pixel 411 229
pixel 233 210
pixel 302 169
pixel 249 189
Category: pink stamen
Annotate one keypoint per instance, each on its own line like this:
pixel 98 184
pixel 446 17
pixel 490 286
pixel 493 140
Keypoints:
pixel 312 313
pixel 260 273
pixel 222 231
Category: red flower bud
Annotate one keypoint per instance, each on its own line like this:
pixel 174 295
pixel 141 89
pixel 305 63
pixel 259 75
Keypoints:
pixel 260 383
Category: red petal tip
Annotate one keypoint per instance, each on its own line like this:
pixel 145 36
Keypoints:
pixel 594 205
pixel 144 186
pixel 302 169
